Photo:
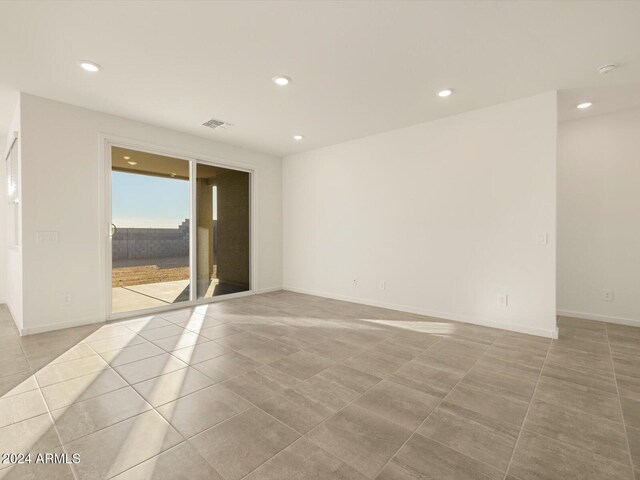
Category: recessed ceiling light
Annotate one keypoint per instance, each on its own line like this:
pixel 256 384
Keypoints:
pixel 281 80
pixel 173 174
pixel 606 68
pixel 584 105
pixel 445 93
pixel 126 157
pixel 132 163
pixel 90 66
pixel 298 137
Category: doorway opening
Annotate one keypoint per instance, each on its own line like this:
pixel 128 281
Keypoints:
pixel 156 252
pixel 222 206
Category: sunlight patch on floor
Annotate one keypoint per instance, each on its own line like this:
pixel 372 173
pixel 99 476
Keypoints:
pixel 438 328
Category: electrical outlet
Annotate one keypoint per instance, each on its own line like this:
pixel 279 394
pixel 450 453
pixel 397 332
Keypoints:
pixel 503 300
pixel 66 299
pixel 382 285
pixel 355 283
pixel 607 295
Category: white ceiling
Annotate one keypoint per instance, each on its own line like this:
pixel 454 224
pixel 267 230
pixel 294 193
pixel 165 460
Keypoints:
pixel 358 67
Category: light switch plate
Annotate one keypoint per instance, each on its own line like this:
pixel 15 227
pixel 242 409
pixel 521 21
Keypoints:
pixel 503 300
pixel 542 238
pixel 47 238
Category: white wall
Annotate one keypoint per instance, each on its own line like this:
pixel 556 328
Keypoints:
pixel 62 192
pixel 446 213
pixel 599 217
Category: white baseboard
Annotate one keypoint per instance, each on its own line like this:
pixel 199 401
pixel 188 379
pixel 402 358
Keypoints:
pixel 430 313
pixel 600 318
pixel 268 290
pixel 419 311
pixel 88 321
pixel 60 326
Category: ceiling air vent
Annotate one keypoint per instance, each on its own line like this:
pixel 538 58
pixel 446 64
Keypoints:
pixel 216 124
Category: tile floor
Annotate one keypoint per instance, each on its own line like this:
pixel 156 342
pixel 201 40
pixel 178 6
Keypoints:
pixel 287 386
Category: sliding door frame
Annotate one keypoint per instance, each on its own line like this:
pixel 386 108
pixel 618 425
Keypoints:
pixel 109 141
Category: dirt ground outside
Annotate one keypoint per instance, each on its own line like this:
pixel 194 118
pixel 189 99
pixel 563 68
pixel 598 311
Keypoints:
pixel 149 270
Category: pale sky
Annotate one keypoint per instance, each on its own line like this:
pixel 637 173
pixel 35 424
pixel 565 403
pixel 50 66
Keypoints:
pixel 143 201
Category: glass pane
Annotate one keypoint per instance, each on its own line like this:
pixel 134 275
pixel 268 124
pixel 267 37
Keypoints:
pixel 150 231
pixel 222 225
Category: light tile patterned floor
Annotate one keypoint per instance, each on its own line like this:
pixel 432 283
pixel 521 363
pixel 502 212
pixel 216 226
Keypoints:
pixel 288 386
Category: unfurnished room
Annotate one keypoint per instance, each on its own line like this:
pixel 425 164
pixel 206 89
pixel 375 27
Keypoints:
pixel 320 240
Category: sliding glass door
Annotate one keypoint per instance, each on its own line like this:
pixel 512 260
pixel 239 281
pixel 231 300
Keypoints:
pixel 222 206
pixel 153 199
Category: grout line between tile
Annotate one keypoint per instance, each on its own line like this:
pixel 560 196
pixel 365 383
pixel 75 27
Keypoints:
pixel 524 420
pixel 304 435
pixel 414 432
pixel 55 427
pixel 349 403
pixel 129 418
pixel 624 423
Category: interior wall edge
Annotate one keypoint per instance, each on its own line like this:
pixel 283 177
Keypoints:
pixel 13 316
